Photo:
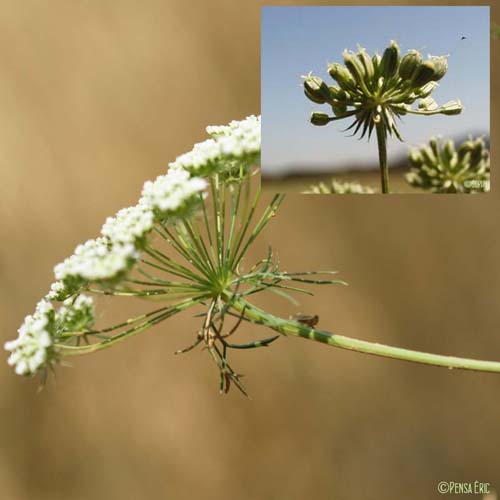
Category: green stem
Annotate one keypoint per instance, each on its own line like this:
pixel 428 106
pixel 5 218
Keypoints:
pixel 65 350
pixel 291 327
pixel 382 155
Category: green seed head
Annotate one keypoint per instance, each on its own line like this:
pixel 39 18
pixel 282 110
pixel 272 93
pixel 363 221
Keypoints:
pixel 339 108
pixel 390 60
pixel 439 168
pixel 367 64
pixel 409 64
pixel 316 89
pixel 375 90
pixel 452 108
pixel 342 76
pixel 415 157
pixel 423 74
pixel 355 66
pixel 448 151
pixel 319 119
pixel 476 149
pixel 338 94
pixel 440 67
pixel 336 187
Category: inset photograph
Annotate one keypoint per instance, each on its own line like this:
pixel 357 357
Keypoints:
pixel 371 100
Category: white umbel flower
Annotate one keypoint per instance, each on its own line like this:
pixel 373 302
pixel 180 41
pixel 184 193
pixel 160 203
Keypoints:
pixel 173 194
pixel 30 351
pixel 240 140
pixel 97 260
pixel 129 225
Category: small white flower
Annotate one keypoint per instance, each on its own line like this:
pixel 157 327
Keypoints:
pixel 58 291
pixel 129 225
pixel 76 315
pixel 97 260
pixel 428 103
pixel 30 349
pixel 173 193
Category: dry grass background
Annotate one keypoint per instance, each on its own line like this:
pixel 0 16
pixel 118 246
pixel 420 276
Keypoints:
pixel 95 97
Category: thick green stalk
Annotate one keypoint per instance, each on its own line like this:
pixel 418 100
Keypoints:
pixel 382 155
pixel 291 327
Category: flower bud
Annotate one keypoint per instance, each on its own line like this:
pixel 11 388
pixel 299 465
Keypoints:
pixel 427 104
pixel 452 108
pixel 319 119
pixel 390 60
pixel 342 76
pixel 440 67
pixel 448 151
pixel 434 145
pixel 477 154
pixel 313 98
pixel 465 147
pixel 428 156
pixel 367 63
pixel 427 89
pixel 316 89
pixel 423 74
pixel 409 64
pixel 339 108
pixel 475 149
pixel 355 67
pixel 415 157
pixel 338 94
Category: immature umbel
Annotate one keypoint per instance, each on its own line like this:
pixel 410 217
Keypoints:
pixel 337 187
pixel 376 89
pixel 440 168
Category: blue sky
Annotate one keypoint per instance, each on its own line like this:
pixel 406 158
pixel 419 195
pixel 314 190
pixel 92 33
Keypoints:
pixel 296 40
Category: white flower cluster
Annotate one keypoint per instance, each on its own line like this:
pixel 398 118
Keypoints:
pixel 203 155
pixel 129 225
pixel 76 315
pixel 239 137
pixel 238 140
pixel 30 349
pixel 173 193
pixel 96 260
pixel 250 126
pixel 57 291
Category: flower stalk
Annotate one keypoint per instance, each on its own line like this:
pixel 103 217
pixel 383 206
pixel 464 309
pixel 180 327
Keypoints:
pixel 382 155
pixel 290 327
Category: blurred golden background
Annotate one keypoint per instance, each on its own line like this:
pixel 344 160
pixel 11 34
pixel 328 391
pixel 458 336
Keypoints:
pixel 98 96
